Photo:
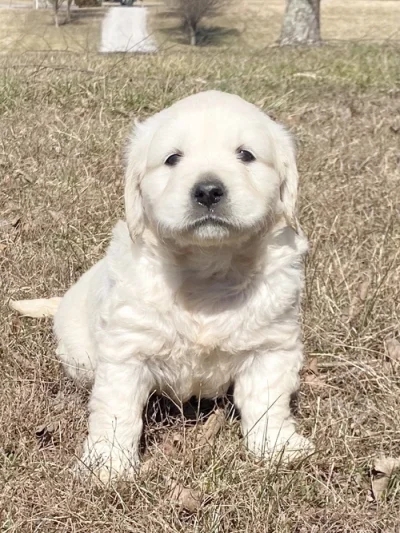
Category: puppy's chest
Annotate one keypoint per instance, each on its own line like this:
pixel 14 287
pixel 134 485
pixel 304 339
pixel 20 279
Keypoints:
pixel 217 326
pixel 201 357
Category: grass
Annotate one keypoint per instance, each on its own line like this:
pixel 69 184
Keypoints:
pixel 64 121
pixel 253 24
pixel 26 30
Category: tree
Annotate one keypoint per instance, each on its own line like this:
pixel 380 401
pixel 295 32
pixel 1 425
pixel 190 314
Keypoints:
pixel 301 24
pixel 191 13
pixel 69 2
pixel 56 7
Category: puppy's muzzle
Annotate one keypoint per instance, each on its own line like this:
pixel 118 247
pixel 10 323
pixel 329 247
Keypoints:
pixel 208 193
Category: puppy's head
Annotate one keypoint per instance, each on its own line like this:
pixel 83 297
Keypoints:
pixel 210 169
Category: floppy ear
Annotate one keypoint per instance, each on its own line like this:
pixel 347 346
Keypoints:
pixel 285 162
pixel 135 169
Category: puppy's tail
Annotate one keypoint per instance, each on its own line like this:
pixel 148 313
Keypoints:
pixel 36 308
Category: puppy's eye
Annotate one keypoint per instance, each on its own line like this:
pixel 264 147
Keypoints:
pixel 245 156
pixel 172 160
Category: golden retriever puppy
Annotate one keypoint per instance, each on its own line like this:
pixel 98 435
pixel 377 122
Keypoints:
pixel 200 287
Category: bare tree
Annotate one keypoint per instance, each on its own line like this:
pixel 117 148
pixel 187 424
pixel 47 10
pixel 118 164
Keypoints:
pixel 56 8
pixel 192 12
pixel 69 3
pixel 301 24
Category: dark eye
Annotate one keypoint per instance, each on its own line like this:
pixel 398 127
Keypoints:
pixel 245 156
pixel 172 159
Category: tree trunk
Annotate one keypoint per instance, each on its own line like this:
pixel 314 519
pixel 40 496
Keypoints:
pixel 56 6
pixel 193 35
pixel 301 24
pixel 69 2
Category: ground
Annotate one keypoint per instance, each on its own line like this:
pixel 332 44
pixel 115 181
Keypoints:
pixel 64 122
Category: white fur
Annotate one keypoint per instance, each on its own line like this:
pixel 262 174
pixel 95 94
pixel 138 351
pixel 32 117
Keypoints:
pixel 42 307
pixel 187 310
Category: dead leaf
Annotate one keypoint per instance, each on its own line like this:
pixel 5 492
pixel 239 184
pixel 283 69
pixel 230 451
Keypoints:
pixel 171 447
pixel 358 300
pixel 313 380
pixel 147 465
pixel 312 365
pixel 393 349
pixel 45 435
pixel 16 324
pixel 364 289
pixel 15 221
pixel 188 499
pixel 311 75
pixel 212 427
pixel 311 375
pixel 381 472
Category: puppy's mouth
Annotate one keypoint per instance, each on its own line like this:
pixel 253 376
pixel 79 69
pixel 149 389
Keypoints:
pixel 210 221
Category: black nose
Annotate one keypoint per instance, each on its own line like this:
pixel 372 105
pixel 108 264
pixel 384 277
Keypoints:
pixel 208 193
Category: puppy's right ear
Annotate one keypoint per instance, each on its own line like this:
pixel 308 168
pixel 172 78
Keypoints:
pixel 135 170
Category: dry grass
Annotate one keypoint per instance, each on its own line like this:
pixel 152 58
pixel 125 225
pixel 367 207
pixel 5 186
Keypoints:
pixel 252 24
pixel 24 30
pixel 63 123
pixel 257 23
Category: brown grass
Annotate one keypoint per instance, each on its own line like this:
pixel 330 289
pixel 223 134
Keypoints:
pixel 257 23
pixel 64 120
pixel 24 30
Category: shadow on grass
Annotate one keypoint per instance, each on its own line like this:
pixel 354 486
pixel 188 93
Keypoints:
pixel 78 17
pixel 162 411
pixel 206 35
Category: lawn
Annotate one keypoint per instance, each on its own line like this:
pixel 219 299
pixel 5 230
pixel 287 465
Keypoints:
pixel 254 24
pixel 64 119
pixel 28 30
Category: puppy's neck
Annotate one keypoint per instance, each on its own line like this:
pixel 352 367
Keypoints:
pixel 230 263
pixel 220 262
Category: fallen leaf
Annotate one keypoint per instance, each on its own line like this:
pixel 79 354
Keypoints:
pixel 364 289
pixel 358 300
pixel 381 472
pixel 393 349
pixel 45 435
pixel 313 380
pixel 188 499
pixel 311 376
pixel 15 221
pixel 16 324
pixel 312 365
pixel 311 75
pixel 171 447
pixel 211 427
pixel 147 465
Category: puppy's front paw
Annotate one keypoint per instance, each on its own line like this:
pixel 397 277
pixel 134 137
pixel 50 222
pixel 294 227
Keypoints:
pixel 108 462
pixel 281 446
pixel 295 447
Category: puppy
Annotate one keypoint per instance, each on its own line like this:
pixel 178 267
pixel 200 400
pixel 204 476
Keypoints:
pixel 199 289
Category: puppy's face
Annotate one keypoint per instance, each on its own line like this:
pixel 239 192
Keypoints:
pixel 209 170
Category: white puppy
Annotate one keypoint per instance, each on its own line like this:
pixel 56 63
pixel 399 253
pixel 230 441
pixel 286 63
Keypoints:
pixel 200 288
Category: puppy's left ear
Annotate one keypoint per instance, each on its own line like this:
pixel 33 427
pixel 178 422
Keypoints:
pixel 135 170
pixel 285 162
